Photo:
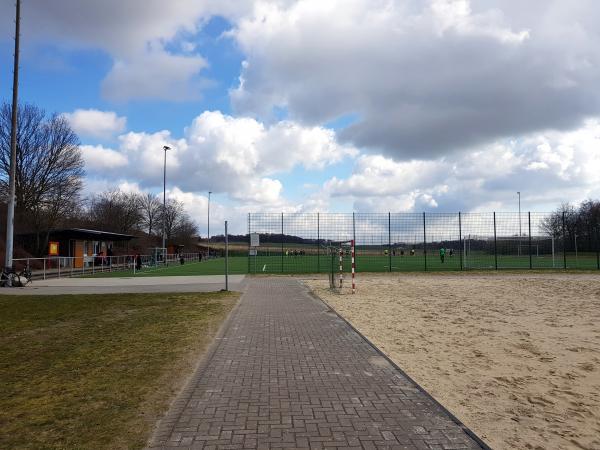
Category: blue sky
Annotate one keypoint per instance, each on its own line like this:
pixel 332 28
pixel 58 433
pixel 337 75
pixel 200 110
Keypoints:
pixel 435 105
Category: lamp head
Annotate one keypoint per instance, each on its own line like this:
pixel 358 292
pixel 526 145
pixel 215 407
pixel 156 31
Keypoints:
pixel 166 147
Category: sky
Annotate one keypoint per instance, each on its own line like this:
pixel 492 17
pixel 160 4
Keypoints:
pixel 312 105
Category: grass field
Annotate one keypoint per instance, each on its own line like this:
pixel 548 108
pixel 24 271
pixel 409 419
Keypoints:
pixel 95 372
pixel 366 263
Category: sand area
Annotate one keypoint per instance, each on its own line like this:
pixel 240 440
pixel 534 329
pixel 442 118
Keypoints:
pixel 515 356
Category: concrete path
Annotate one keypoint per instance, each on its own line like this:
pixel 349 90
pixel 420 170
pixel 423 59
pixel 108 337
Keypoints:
pixel 289 373
pixel 117 285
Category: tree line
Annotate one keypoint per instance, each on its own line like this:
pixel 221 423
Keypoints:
pixel 49 185
pixel 579 224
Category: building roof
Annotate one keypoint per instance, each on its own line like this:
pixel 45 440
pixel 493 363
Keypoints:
pixel 82 233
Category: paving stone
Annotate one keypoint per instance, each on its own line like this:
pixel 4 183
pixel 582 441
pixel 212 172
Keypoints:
pixel 289 373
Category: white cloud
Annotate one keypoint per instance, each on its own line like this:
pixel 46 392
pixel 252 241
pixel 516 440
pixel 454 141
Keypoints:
pixel 96 124
pixel 237 156
pixel 136 34
pixel 155 74
pixel 100 159
pixel 548 169
pixel 424 78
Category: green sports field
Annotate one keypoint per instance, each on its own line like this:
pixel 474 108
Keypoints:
pixel 274 264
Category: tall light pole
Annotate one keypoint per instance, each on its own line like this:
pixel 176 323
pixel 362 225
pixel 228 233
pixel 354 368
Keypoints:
pixel 10 213
pixel 208 226
pixel 519 194
pixel 164 233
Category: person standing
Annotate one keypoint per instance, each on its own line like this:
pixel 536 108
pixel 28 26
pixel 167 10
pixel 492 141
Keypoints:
pixel 442 254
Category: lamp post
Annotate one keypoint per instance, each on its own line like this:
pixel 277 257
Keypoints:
pixel 519 194
pixel 208 226
pixel 10 213
pixel 164 233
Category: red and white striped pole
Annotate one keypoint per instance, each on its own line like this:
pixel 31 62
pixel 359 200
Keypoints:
pixel 353 284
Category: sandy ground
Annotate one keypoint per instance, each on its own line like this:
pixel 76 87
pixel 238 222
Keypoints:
pixel 515 357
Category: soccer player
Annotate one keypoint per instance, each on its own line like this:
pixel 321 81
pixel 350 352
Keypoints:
pixel 442 254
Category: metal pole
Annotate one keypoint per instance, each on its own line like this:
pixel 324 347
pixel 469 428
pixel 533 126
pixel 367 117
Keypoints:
pixel 520 234
pixel 164 233
pixel 354 236
pixel 424 243
pixel 460 250
pixel 10 214
pixel 390 239
pixel 318 243
pixel 208 227
pixel 529 224
pixel 249 248
pixel 495 244
pixel 226 258
pixel 597 250
pixel 282 242
pixel 576 256
pixel 564 241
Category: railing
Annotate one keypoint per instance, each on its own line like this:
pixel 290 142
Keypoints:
pixel 70 266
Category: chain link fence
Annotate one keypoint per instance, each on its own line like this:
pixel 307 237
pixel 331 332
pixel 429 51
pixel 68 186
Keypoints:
pixel 404 242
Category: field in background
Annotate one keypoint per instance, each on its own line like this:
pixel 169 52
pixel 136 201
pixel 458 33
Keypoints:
pixel 311 263
pixel 97 371
pixel 515 356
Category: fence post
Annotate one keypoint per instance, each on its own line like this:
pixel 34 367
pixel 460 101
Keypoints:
pixel 424 244
pixel 495 244
pixel 318 244
pixel 529 224
pixel 564 236
pixel 59 267
pixel 460 250
pixel 249 243
pixel 390 239
pixel 226 258
pixel 281 242
pixel 354 237
pixel 44 268
pixel 597 249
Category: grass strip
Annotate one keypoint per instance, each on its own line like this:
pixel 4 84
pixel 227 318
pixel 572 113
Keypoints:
pixel 96 371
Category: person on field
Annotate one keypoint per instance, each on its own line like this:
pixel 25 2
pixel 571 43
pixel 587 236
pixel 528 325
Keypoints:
pixel 442 254
pixel 412 252
pixel 451 253
pixel 138 261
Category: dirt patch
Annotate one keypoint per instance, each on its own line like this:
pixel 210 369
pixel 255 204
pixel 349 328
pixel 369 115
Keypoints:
pixel 515 357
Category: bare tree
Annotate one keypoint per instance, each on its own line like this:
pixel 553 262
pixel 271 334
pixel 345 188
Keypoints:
pixel 179 226
pixel 186 232
pixel 116 211
pixel 49 167
pixel 171 217
pixel 151 208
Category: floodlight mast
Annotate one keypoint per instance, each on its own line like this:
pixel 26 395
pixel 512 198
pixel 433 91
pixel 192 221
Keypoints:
pixel 164 233
pixel 208 227
pixel 10 215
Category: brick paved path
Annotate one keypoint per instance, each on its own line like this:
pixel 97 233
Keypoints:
pixel 288 373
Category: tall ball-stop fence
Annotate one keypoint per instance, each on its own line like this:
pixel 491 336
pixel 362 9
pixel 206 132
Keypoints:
pixel 404 242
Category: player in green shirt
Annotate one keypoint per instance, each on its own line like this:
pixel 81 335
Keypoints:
pixel 442 254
